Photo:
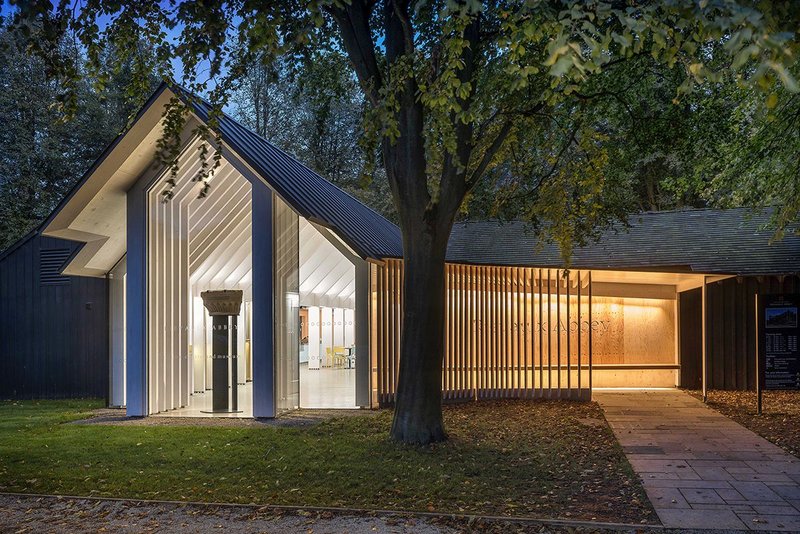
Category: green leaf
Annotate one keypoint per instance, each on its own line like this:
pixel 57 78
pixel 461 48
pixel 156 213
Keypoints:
pixel 772 101
pixel 785 76
pixel 561 67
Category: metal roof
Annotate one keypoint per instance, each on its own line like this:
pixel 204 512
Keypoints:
pixel 710 241
pixel 367 232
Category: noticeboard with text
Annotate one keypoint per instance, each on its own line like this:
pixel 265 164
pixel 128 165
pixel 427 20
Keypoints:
pixel 778 332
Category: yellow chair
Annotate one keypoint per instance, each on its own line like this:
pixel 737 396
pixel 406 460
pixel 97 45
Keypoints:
pixel 339 357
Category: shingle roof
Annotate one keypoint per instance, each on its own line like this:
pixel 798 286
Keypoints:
pixel 368 233
pixel 704 241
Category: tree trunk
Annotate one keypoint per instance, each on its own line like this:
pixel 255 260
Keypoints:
pixel 425 221
pixel 418 406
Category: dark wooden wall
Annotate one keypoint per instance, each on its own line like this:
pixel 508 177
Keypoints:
pixel 731 330
pixel 690 337
pixel 53 329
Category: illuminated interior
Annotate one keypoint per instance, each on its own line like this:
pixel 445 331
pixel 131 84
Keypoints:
pixel 530 332
pixel 535 337
pixel 327 319
pixel 195 245
pixel 201 244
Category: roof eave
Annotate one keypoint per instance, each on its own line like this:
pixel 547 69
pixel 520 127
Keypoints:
pixel 45 225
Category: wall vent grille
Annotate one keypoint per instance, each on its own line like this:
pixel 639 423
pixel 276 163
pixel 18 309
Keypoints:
pixel 51 261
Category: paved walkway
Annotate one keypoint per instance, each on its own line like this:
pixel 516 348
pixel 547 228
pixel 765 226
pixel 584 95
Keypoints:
pixel 701 469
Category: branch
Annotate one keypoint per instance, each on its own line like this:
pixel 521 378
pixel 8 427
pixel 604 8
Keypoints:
pixel 453 182
pixel 571 138
pixel 489 154
pixel 497 144
pixel 400 11
pixel 353 21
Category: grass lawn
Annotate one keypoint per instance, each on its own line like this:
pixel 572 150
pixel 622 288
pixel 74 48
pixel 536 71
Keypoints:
pixel 550 459
pixel 778 422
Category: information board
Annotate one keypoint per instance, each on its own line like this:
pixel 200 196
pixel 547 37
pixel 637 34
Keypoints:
pixel 779 358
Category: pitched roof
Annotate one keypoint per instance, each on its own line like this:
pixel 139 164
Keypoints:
pixel 367 232
pixel 707 241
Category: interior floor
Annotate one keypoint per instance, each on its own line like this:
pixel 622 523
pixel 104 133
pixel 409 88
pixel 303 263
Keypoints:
pixel 200 405
pixel 327 388
pixel 319 389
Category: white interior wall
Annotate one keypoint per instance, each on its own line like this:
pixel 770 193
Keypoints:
pixel 199 346
pixel 220 231
pixel 338 327
pixel 313 337
pixel 349 328
pixel 327 288
pixel 220 251
pixel 327 277
pixel 326 328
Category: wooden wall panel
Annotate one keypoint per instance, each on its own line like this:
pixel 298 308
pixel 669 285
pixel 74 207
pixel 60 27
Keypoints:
pixel 648 331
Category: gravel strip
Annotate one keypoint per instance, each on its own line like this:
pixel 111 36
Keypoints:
pixel 72 515
pixel 52 514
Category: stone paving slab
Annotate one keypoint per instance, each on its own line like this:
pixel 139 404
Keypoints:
pixel 700 469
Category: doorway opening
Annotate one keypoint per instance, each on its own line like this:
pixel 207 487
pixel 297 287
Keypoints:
pixel 196 245
pixel 327 354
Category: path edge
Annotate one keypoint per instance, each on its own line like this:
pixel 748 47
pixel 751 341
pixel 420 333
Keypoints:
pixel 527 520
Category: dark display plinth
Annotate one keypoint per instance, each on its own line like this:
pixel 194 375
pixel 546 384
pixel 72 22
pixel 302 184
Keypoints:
pixel 223 306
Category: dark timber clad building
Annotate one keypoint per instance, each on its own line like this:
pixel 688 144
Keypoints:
pixel 104 299
pixel 53 328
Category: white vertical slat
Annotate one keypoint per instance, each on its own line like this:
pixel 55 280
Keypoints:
pixel 349 328
pixel 314 356
pixel 338 330
pixel 198 346
pixel 170 277
pixel 150 302
pixel 163 312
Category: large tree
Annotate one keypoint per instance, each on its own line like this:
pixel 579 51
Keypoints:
pixel 456 90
